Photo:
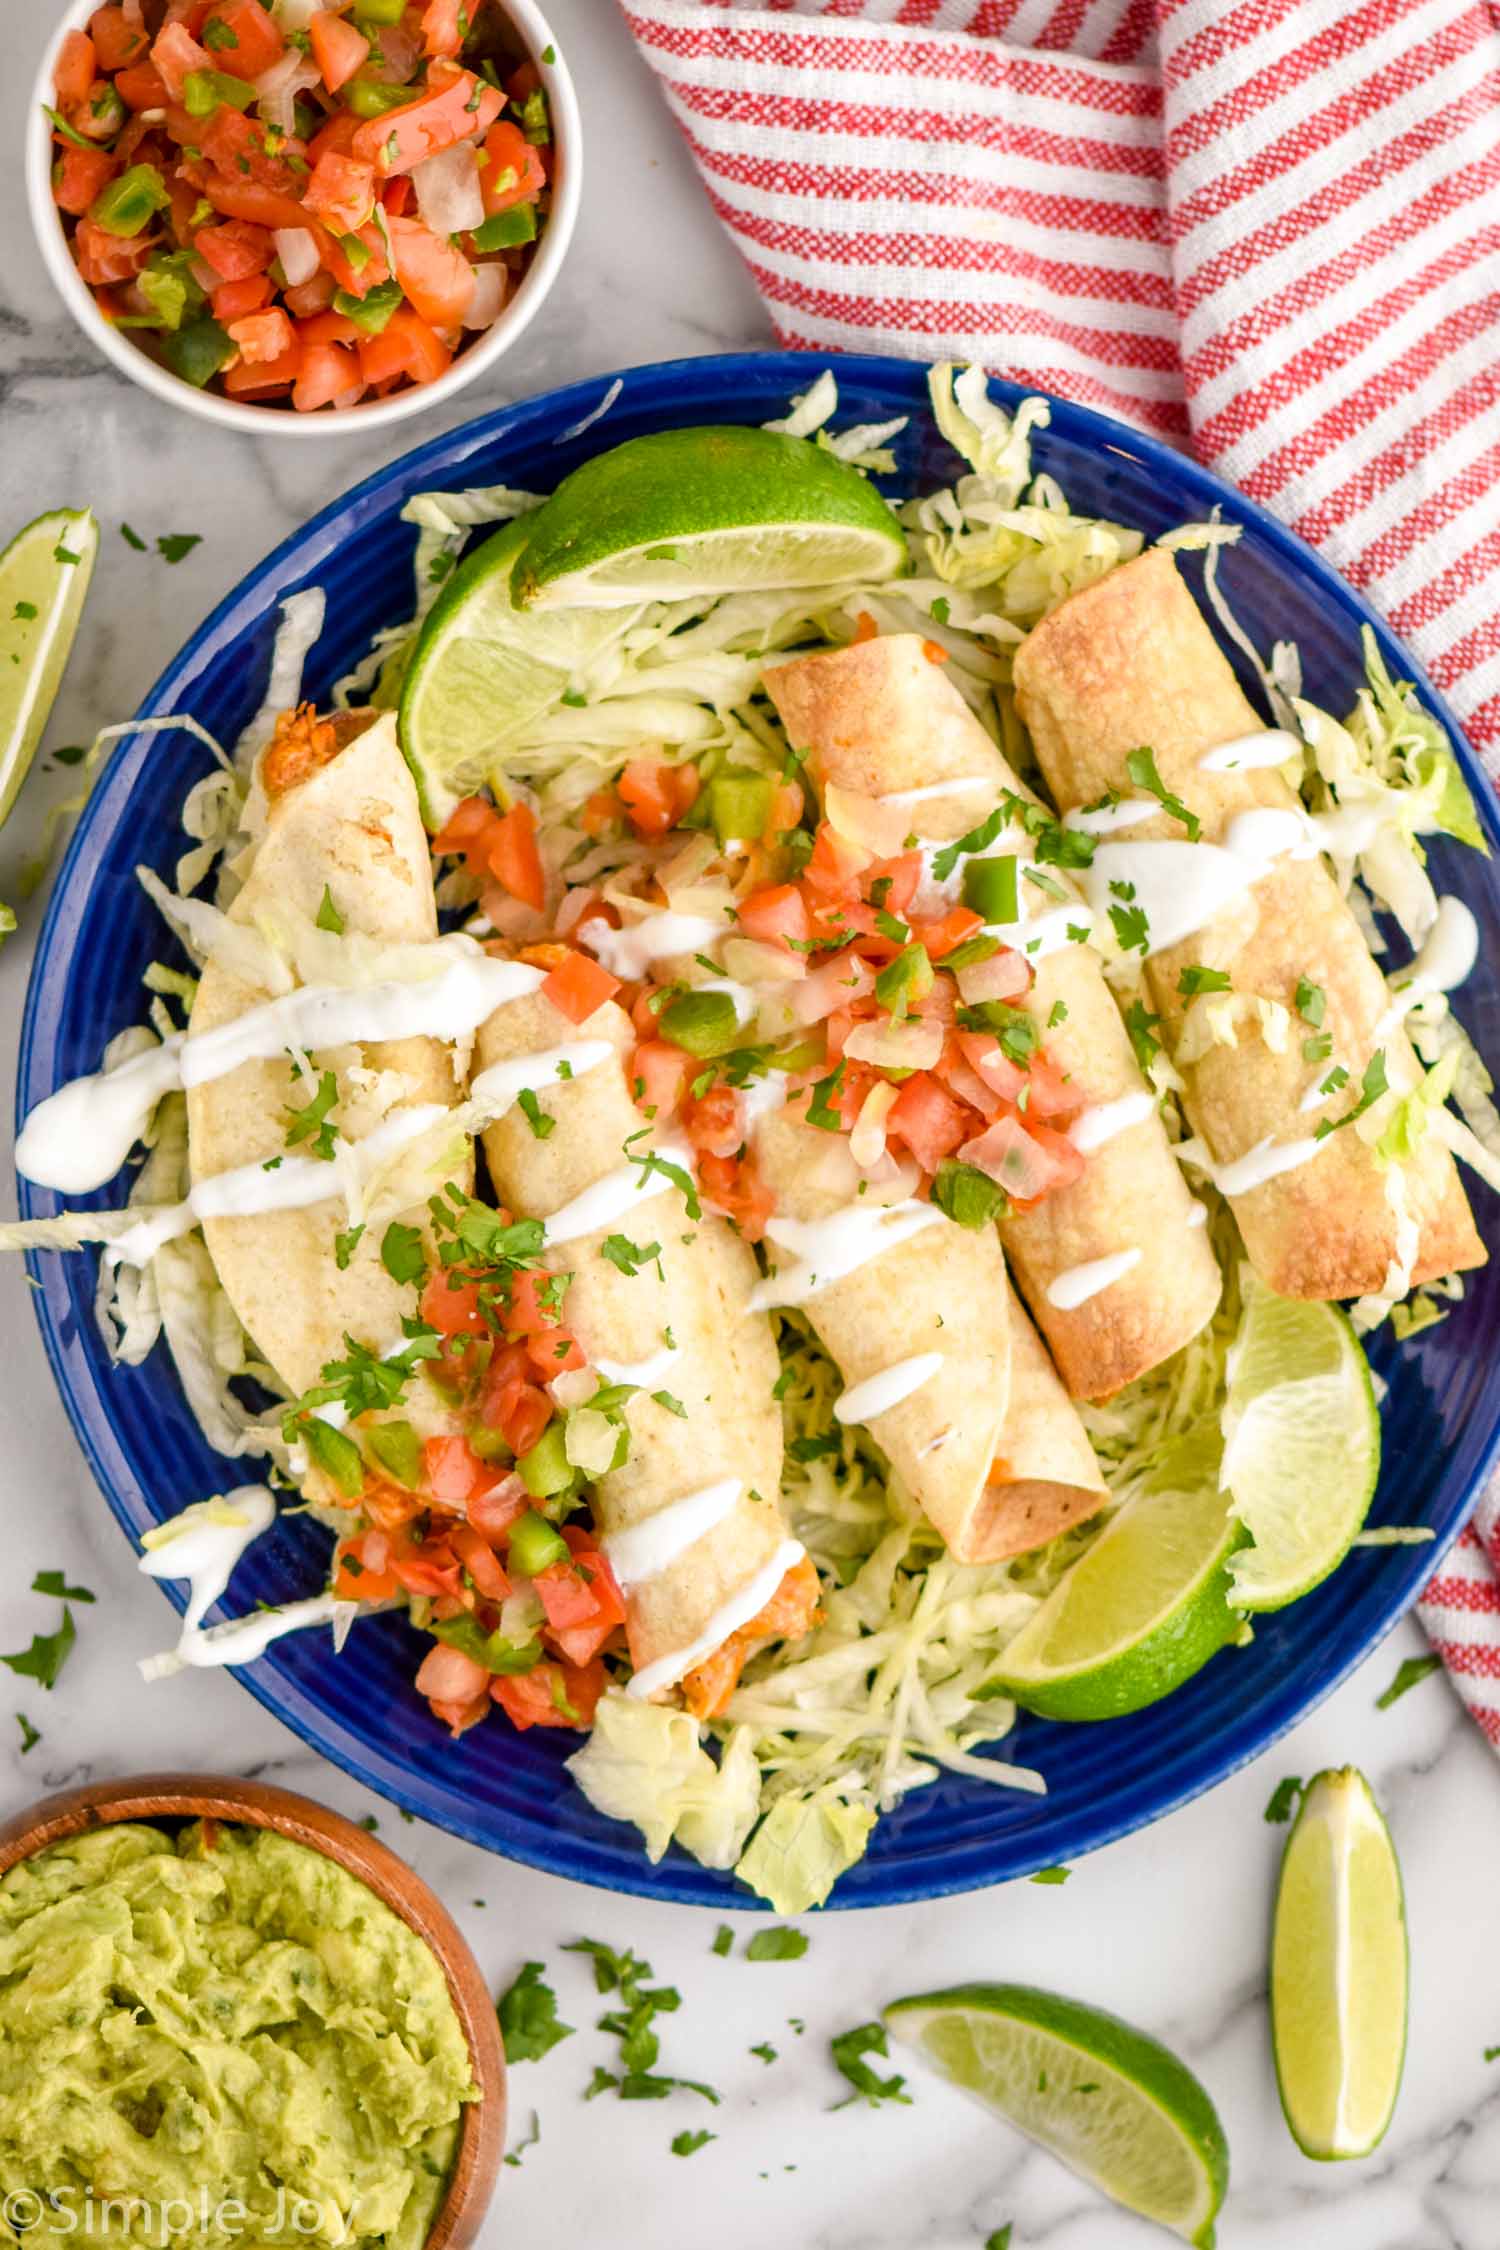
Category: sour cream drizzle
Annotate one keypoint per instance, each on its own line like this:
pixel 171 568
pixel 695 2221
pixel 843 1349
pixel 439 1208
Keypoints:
pixel 1268 746
pixel 647 1549
pixel 1103 820
pixel 867 1401
pixel 251 1191
pixel 78 1138
pixel 617 1193
pixel 629 953
pixel 643 1374
pixel 1045 933
pixel 1106 1120
pixel 829 1250
pixel 501 1086
pixel 931 790
pixel 1077 1284
pixel 205 1552
pixel 1447 957
pixel 737 1611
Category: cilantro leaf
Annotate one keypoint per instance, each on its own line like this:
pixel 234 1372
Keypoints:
pixel 1409 1674
pixel 1195 979
pixel 345 1244
pixel 1141 1025
pixel 687 2144
pixel 403 1253
pixel 529 2021
pixel 628 1257
pixel 1372 1085
pixel 1312 1002
pixel 174 545
pixel 132 539
pixel 849 2050
pixel 777 1945
pixel 1141 767
pixel 1132 929
pixel 53 1582
pixel 47 1654
pixel 29 1735
pixel 1051 1875
pixel 312 1121
pixel 328 916
pixel 1284 1799
pixel 819 1108
pixel 542 1125
pixel 765 2051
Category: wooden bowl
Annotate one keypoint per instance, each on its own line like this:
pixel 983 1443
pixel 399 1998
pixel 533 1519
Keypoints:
pixel 257 1804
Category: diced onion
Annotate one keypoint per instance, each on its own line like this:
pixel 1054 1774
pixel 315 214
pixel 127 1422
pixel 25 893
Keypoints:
pixel 298 252
pixel 350 396
pixel 590 1441
pixel 881 830
pixel 491 287
pixel 399 49
pixel 838 984
pixel 1011 1158
pixel 1004 976
pixel 277 89
pixel 913 1045
pixel 750 962
pixel 448 192
pixel 573 1387
pixel 867 1140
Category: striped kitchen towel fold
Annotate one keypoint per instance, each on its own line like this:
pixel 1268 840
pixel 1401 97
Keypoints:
pixel 1266 230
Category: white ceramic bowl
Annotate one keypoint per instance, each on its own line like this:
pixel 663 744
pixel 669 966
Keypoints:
pixel 233 414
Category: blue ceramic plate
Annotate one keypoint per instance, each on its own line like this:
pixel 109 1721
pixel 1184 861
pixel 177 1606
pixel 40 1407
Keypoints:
pixel 508 1792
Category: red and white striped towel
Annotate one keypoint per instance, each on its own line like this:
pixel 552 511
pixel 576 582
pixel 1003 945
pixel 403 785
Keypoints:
pixel 1267 230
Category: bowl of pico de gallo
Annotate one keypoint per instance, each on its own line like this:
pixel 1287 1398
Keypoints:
pixel 287 215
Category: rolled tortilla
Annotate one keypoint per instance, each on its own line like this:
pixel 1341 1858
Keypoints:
pixel 988 1443
pixel 1128 662
pixel 683 1586
pixel 348 825
pixel 879 718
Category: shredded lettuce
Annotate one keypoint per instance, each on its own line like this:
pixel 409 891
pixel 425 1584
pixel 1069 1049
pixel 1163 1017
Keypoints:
pixel 644 1762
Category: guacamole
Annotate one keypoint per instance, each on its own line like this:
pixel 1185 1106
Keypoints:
pixel 221 2021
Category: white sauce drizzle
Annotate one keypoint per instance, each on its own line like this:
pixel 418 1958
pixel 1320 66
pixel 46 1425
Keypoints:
pixel 1077 1284
pixel 643 1374
pixel 205 1552
pixel 250 1191
pixel 617 1193
pixel 737 1611
pixel 867 1401
pixel 1045 933
pixel 648 1549
pixel 1103 820
pixel 829 1250
pixel 501 1086
pixel 1268 746
pixel 78 1138
pixel 1445 960
pixel 1105 1120
pixel 629 953
pixel 1268 1160
pixel 763 1097
pixel 931 790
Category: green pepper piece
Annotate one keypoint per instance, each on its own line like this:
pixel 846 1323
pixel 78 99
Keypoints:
pixel 370 97
pixel 198 351
pixel 739 803
pixel 489 1445
pixel 973 949
pixel 546 1469
pixel 125 205
pixel 398 1449
pixel 335 1454
pixel 968 1196
pixel 204 91
pixel 371 312
pixel 534 1545
pixel 492 1650
pixel 168 288
pixel 507 229
pixel 907 978
pixel 701 1023
pixel 379 11
pixel 990 888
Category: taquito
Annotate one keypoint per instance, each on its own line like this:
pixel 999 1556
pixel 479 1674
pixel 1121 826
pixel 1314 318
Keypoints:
pixel 1130 663
pixel 880 719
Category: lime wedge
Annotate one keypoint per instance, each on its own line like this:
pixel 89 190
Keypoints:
pixel 1339 1971
pixel 694 513
pixel 1301 1445
pixel 482 671
pixel 44 576
pixel 1114 2104
pixel 1143 1608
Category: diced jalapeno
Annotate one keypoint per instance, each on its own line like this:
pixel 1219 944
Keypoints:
pixel 546 1469
pixel 335 1454
pixel 507 229
pixel 379 11
pixel 701 1023
pixel 739 803
pixel 129 203
pixel 907 978
pixel 198 351
pixel 534 1545
pixel 990 888
pixel 370 97
pixel 371 312
pixel 398 1449
pixel 204 91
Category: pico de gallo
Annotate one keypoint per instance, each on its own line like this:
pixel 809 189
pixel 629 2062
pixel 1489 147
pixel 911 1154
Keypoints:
pixel 301 205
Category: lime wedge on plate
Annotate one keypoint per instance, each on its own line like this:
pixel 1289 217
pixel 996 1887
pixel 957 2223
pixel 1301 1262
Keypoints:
pixel 1301 1445
pixel 1113 2103
pixel 482 671
pixel 688 513
pixel 1339 1971
pixel 44 576
pixel 1144 1607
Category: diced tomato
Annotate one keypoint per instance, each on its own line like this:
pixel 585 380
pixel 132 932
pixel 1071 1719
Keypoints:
pixel 141 86
pixel 232 300
pixel 450 1470
pixel 551 1695
pixel 243 380
pixel 396 196
pixel 736 1190
pixel 567 1598
pixel 235 250
pixel 947 931
pixel 984 1054
pixel 328 328
pixel 513 856
pixel 1016 1159
pixel 329 372
pixel 237 146
pixel 493 1511
pixel 776 916
pixel 311 297
pixel 528 1313
pixel 442 29
pixel 927 1118
pixel 436 276
pixel 658 1073
pixel 76 66
pixel 528 1417
pixel 480 1561
pixel 341 190
pixel 1068 1162
pixel 714 1122
pixel 104 257
pixel 447 1675
pixel 429 1568
pixel 510 170
pixel 1051 1095
pixel 78 176
pixel 263 336
pixel 251 41
pixel 509 1370
pixel 893 883
pixel 338 48
pixel 361 1571
pixel 357 272
pixel 455 106
pixel 450 1304
pixel 174 53
pixel 459 1717
pixel 258 205
pixel 336 134
pixel 465 829
pixel 117 41
pixel 656 795
pixel 579 986
pixel 405 346
pixel 833 870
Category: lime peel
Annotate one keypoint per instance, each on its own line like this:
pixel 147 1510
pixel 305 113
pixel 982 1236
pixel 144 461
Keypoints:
pixel 44 578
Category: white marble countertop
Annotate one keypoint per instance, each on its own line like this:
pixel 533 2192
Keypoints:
pixel 1169 1928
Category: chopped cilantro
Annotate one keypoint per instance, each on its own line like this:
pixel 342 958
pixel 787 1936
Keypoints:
pixel 1051 1875
pixel 311 1120
pixel 1284 1799
pixel 1195 979
pixel 688 2144
pixel 514 2156
pixel 344 1246
pixel 1372 1085
pixel 1141 767
pixel 529 2021
pixel 1131 928
pixel 402 1253
pixel 1312 1002
pixel 53 1582
pixel 174 545
pixel 849 2050
pixel 542 1126
pixel 24 612
pixel 628 1257
pixel 47 1654
pixel 1317 1047
pixel 217 35
pixel 765 2051
pixel 29 1735
pixel 328 916
pixel 1142 1026
pixel 1409 1674
pixel 777 1945
pixel 819 1108
pixel 1000 2239
pixel 651 1160
pixel 1058 1013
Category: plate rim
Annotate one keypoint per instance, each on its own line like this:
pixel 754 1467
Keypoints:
pixel 294 561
